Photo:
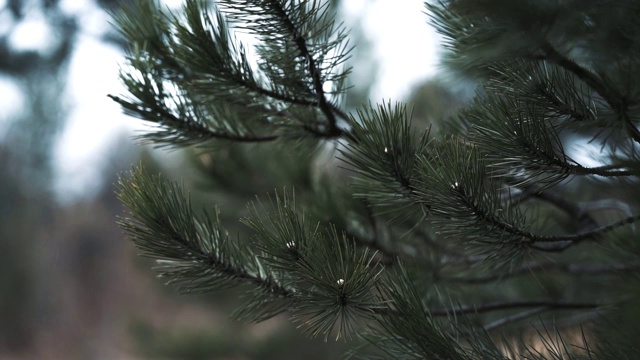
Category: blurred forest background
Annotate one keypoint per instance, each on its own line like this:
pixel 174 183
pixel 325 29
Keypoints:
pixel 70 286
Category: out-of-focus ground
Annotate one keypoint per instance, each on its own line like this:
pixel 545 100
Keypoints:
pixel 95 299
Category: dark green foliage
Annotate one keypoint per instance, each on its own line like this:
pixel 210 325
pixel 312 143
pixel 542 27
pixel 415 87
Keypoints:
pixel 193 250
pixel 385 155
pixel 451 244
pixel 407 329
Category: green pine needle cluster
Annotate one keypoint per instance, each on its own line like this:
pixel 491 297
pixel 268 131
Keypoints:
pixel 440 245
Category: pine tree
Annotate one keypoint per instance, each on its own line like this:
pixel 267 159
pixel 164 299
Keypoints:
pixel 443 244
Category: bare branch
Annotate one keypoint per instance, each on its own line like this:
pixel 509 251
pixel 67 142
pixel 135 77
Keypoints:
pixel 500 306
pixel 513 318
pixel 573 269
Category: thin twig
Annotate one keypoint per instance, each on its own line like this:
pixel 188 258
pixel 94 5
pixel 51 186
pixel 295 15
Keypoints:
pixel 515 317
pixel 574 269
pixel 563 242
pixel 584 220
pixel 600 171
pixel 500 306
pixel 389 256
pixel 534 240
pixel 292 100
pixel 203 132
pixel 460 259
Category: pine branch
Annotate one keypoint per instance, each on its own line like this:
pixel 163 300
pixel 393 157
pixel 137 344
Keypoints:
pixel 193 250
pixel 185 131
pixel 561 243
pixel 251 85
pixel 545 85
pixel 515 134
pixel 465 202
pixel 243 78
pixel 308 28
pixel 465 205
pixel 551 54
pixel 190 76
pixel 301 43
pixel 615 101
pixel 334 281
pixel 531 238
pixel 198 57
pixel 385 156
pixel 406 328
